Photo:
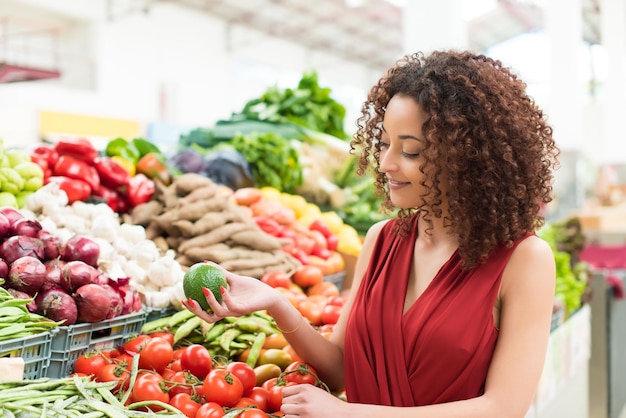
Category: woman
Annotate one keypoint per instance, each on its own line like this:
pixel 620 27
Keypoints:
pixel 450 308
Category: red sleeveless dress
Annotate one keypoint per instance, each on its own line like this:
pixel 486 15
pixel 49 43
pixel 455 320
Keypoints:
pixel 440 349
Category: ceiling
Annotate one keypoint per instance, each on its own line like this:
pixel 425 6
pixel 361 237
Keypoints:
pixel 370 31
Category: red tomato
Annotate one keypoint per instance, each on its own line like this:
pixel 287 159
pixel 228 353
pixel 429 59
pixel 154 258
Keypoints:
pixel 124 360
pixel 259 397
pixel 245 402
pixel 181 382
pixel 168 336
pixel 269 383
pixel 136 344
pixel 185 404
pixel 245 374
pixel 223 387
pixel 253 413
pixel 312 311
pixel 90 363
pixel 178 353
pixel 300 372
pixel 210 410
pixel 114 373
pixel 330 314
pixel 307 275
pixel 156 355
pixel 275 396
pixel 148 388
pixel 329 289
pixel 276 278
pixel 197 359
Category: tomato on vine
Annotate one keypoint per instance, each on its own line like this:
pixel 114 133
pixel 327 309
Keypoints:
pixel 149 387
pixel 210 410
pixel 114 373
pixel 185 404
pixel 253 413
pixel 197 359
pixel 300 372
pixel 136 344
pixel 222 387
pixel 156 355
pixel 90 363
pixel 244 372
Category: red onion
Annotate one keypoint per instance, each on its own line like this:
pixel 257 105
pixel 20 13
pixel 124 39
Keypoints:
pixel 5 226
pixel 93 303
pixel 26 227
pixel 27 274
pixel 19 246
pixel 4 268
pixel 11 213
pixel 76 274
pixel 82 248
pixel 117 304
pixel 52 246
pixel 54 268
pixel 130 295
pixel 31 306
pixel 57 305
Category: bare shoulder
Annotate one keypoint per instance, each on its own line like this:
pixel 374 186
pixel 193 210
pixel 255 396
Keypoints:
pixel 531 265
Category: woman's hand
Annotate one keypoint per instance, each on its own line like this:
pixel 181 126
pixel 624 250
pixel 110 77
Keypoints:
pixel 308 401
pixel 243 296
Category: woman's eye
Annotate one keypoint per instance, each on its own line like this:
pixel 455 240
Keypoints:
pixel 410 155
pixel 383 145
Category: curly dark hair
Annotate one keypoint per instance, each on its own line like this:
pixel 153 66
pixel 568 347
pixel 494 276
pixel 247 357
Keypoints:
pixel 484 130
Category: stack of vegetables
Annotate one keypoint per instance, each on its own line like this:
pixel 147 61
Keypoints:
pixel 19 176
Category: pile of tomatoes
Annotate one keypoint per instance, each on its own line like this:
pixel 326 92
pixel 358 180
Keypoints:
pixel 189 379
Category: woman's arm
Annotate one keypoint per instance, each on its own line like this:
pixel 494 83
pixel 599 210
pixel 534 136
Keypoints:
pixel 527 293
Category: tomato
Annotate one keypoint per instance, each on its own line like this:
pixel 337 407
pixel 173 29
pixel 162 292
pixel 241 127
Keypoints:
pixel 307 275
pixel 168 336
pixel 311 311
pixel 275 356
pixel 269 383
pixel 156 355
pixel 136 344
pixel 320 226
pixel 275 396
pixel 113 373
pixel 294 356
pixel 175 366
pixel 178 353
pixel 181 382
pixel 253 413
pixel 245 374
pixel 329 289
pixel 124 360
pixel 301 372
pixel 336 300
pixel 90 363
pixel 210 410
pixel 223 387
pixel 148 388
pixel 185 404
pixel 275 341
pixel 259 397
pixel 197 359
pixel 245 402
pixel 276 278
pixel 330 314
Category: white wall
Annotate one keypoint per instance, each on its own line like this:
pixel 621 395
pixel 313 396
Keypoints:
pixel 172 64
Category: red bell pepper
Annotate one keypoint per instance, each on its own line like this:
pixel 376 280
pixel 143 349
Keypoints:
pixel 69 166
pixel 80 148
pixel 110 197
pixel 153 166
pixel 140 189
pixel 45 156
pixel 76 189
pixel 111 174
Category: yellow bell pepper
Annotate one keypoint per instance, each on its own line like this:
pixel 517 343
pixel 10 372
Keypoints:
pixel 129 166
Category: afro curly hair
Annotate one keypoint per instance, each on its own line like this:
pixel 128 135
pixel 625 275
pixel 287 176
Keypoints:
pixel 483 129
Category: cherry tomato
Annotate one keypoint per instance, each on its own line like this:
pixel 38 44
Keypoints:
pixel 245 374
pixel 253 413
pixel 276 278
pixel 90 363
pixel 300 372
pixel 113 373
pixel 259 397
pixel 156 355
pixel 185 404
pixel 223 387
pixel 135 344
pixel 210 410
pixel 307 275
pixel 197 359
pixel 148 388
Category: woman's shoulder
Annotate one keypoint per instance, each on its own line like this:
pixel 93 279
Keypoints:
pixel 532 262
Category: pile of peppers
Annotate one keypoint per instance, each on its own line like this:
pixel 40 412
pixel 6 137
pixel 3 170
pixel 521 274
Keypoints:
pixel 85 175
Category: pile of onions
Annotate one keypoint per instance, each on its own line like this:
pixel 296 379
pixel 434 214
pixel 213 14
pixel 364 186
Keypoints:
pixel 63 279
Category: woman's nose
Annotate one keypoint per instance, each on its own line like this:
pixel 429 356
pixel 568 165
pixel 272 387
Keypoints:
pixel 386 162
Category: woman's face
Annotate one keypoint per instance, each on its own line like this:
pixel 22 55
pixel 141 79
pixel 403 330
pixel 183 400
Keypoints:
pixel 400 146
